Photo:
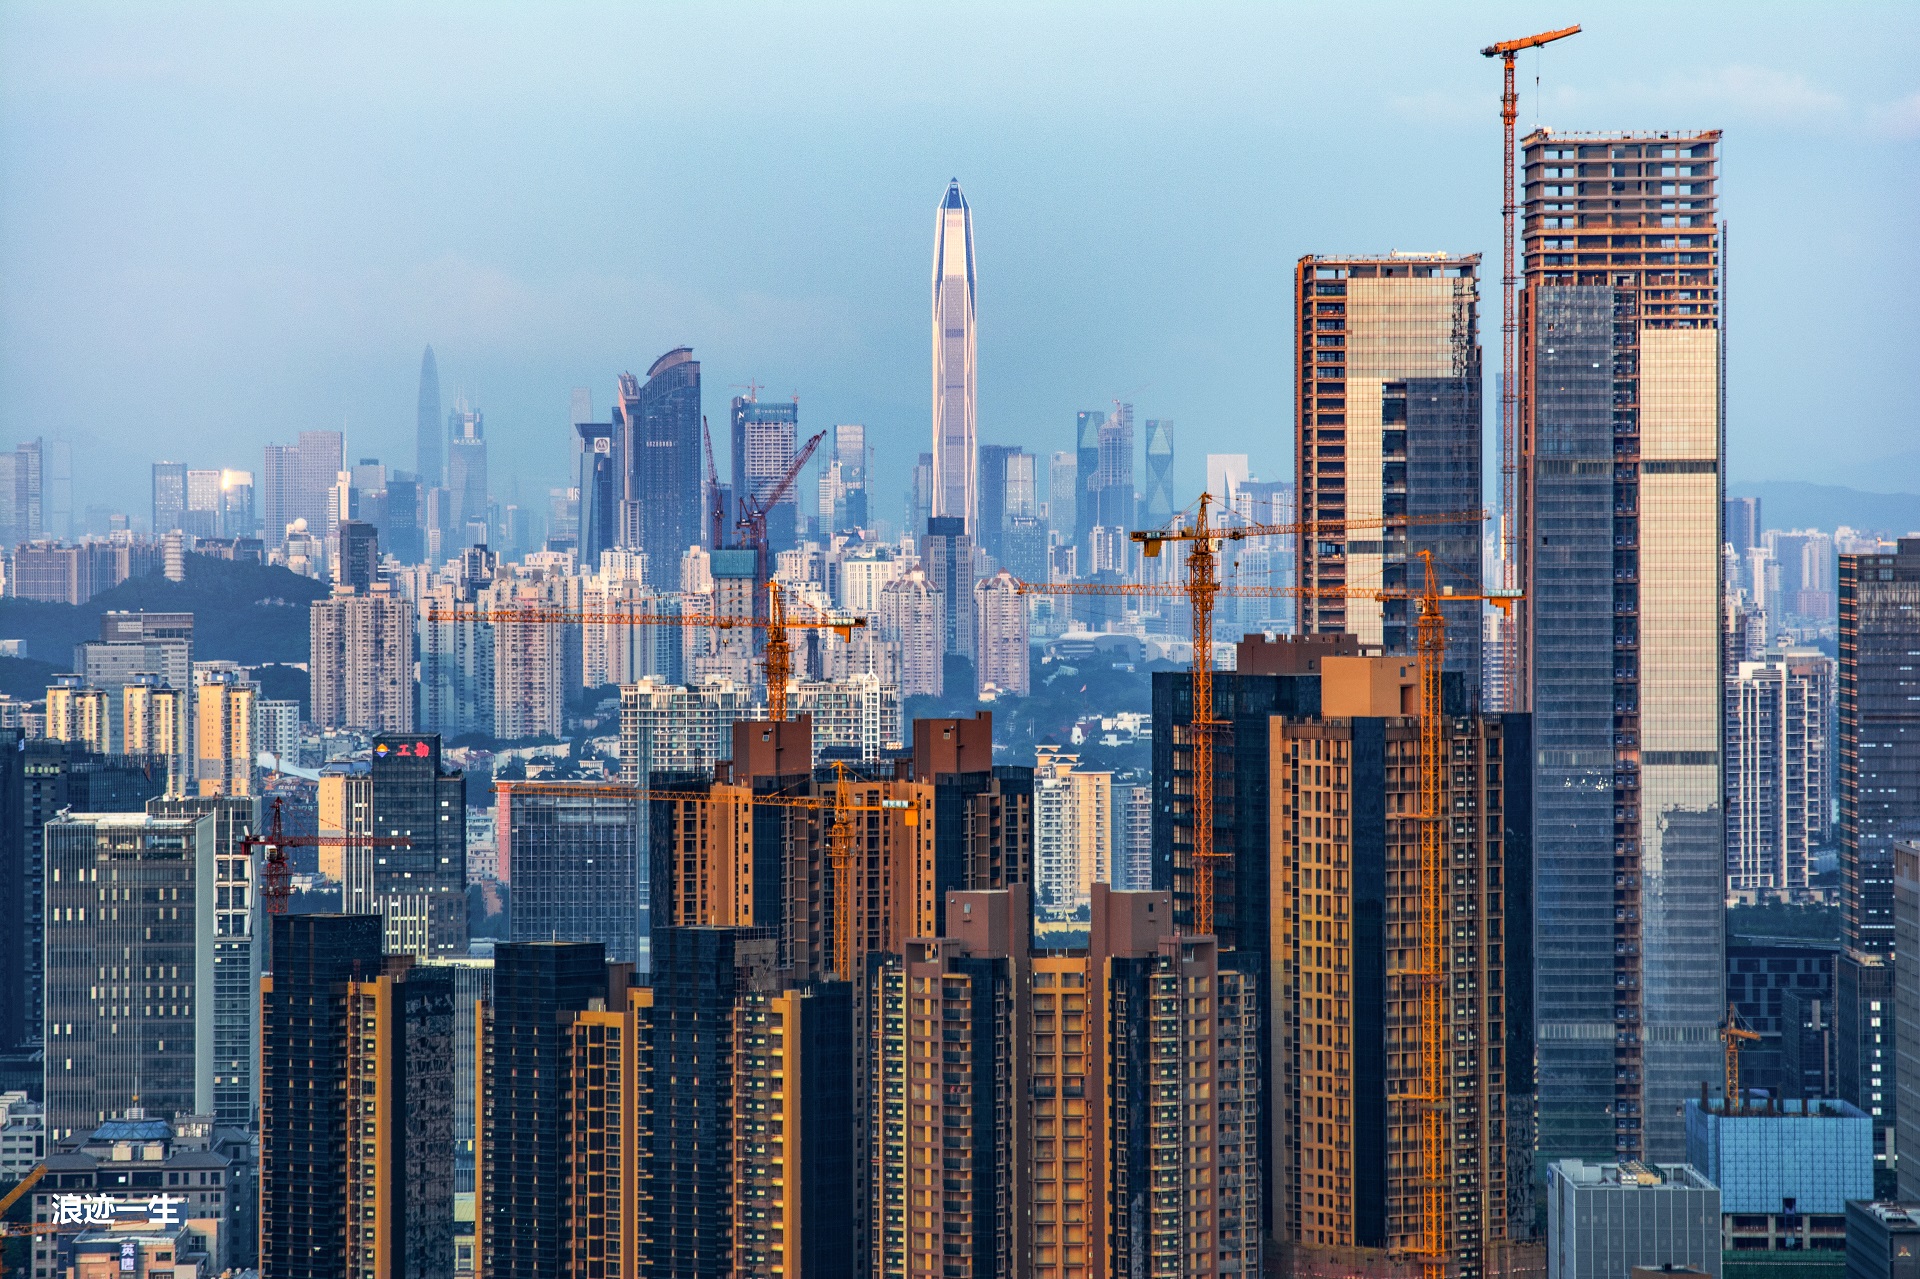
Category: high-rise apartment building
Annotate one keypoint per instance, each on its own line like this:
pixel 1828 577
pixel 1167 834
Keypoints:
pixel 763 446
pixel 39 780
pixel 419 888
pixel 913 615
pixel 1388 421
pixel 153 724
pixel 657 438
pixel 1093 1113
pixel 561 1148
pixel 169 497
pixel 955 429
pixel 1072 832
pixel 225 709
pixel 356 1105
pixel 665 728
pixel 132 645
pixel 577 859
pixel 360 666
pixel 529 663
pixel 1620 505
pixel 1133 838
pixel 129 967
pixel 1002 657
pixel 1779 796
pixel 428 424
pixel 80 714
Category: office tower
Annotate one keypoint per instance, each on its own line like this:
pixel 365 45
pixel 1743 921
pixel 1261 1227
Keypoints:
pixel 955 433
pixel 1072 832
pixel 1086 478
pixel 403 531
pixel 135 644
pixel 990 495
pixel 153 724
pixel 236 504
pixel 201 515
pixel 298 480
pixel 1879 784
pixel 920 495
pixel 420 889
pixel 467 473
pixel 1063 1071
pixel 356 1104
pixel 1112 488
pixel 223 731
pixel 1778 794
pixel 657 440
pixel 129 972
pixel 1879 769
pixel 560 1153
pixel 38 781
pixel 947 556
pixel 1743 524
pixel 428 424
pixel 1804 562
pixel 1002 657
pixel 1023 490
pixel 1387 401
pixel 577 860
pixel 913 614
pixel 23 484
pixel 599 493
pixel 1157 512
pixel 1616 1219
pixel 169 496
pixel 763 447
pixel 358 563
pixel 237 959
pixel 79 713
pixel 361 660
pixel 848 485
pixel 1227 474
pixel 1619 650
pixel 1063 495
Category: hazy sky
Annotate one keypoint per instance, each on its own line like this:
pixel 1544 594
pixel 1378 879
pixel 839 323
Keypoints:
pixel 220 225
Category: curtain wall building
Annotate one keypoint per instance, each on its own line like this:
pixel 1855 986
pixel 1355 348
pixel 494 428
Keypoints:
pixel 955 438
pixel 1620 507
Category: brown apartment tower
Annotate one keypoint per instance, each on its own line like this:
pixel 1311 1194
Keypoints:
pixel 1619 509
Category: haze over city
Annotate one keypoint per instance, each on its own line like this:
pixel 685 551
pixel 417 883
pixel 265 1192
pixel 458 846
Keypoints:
pixel 225 223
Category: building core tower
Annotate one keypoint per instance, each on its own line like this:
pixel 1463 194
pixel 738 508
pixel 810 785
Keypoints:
pixel 954 437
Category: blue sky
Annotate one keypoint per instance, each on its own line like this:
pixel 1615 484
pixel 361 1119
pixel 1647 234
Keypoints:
pixel 222 224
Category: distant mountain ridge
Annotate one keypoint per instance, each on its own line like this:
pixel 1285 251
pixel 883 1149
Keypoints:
pixel 1788 504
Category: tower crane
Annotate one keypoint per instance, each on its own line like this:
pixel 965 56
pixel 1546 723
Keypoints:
pixel 1735 1034
pixel 778 655
pixel 754 509
pixel 1511 516
pixel 716 505
pixel 276 872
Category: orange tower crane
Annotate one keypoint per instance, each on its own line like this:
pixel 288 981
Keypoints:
pixel 1510 444
pixel 1202 588
pixel 1735 1035
pixel 778 654
pixel 1431 966
pixel 276 872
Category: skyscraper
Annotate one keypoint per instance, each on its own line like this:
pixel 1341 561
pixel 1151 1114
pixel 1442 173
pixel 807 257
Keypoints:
pixel 298 481
pixel 578 867
pixel 224 718
pixel 129 993
pixel 990 496
pixel 419 889
pixel 955 433
pixel 1086 478
pixel 428 424
pixel 467 473
pixel 947 556
pixel 1619 631
pixel 360 666
pixel 599 510
pixel 1879 763
pixel 763 445
pixel 1158 508
pixel 1001 655
pixel 1387 400
pixel 23 491
pixel 1779 793
pixel 657 443
pixel 169 496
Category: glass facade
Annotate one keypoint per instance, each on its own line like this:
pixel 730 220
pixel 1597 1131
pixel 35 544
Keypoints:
pixel 578 870
pixel 1620 509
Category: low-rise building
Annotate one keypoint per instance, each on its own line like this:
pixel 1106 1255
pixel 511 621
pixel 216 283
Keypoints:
pixel 1605 1219
pixel 1883 1239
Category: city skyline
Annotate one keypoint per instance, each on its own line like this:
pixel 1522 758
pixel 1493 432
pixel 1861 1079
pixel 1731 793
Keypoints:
pixel 523 307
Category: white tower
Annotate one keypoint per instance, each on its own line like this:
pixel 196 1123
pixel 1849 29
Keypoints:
pixel 954 435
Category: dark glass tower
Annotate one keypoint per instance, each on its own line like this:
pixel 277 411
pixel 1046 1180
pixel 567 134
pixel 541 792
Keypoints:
pixel 1159 505
pixel 429 424
pixel 657 433
pixel 421 888
pixel 763 446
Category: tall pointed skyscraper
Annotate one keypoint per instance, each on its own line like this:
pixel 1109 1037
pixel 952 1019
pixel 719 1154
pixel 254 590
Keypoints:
pixel 427 438
pixel 954 435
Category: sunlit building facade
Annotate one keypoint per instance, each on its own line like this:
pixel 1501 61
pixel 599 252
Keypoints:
pixel 955 439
